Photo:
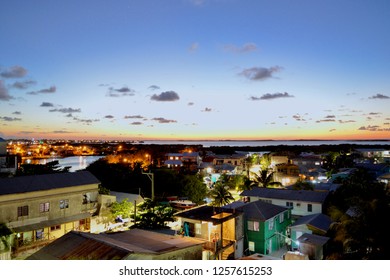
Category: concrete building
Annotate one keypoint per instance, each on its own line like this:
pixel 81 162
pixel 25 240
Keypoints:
pixel 41 208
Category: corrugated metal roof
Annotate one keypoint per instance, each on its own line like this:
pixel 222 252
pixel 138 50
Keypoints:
pixel 32 183
pixel 110 246
pixel 291 195
pixel 313 239
pixel 258 210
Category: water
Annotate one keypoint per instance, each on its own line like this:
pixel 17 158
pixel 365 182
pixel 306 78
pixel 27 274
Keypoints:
pixel 75 162
pixel 264 143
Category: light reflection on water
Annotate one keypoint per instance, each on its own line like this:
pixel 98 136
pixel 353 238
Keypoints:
pixel 75 162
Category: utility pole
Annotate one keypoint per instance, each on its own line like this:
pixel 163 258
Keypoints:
pixel 151 177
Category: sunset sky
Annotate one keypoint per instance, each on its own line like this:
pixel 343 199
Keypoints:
pixel 200 69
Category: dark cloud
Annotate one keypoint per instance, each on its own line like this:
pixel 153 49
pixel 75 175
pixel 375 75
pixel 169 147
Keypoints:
pixel 66 110
pixel 249 47
pixel 259 73
pixel 347 121
pixel 136 123
pixel 85 121
pixel 23 85
pixel 134 117
pixel 51 89
pixel 166 96
pixel 373 128
pixel 325 120
pixel 14 72
pixel 330 117
pixel 17 113
pixel 4 96
pixel 163 120
pixel 270 96
pixel 298 117
pixel 109 117
pixel 190 103
pixel 9 119
pixel 60 132
pixel 207 109
pixel 154 87
pixel 47 104
pixel 123 91
pixel 379 96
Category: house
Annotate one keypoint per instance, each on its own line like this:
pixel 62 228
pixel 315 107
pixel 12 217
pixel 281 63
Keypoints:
pixel 312 245
pixel 135 244
pixel 317 224
pixel 265 226
pixel 41 208
pixel 188 160
pixel 229 163
pixel 385 178
pixel 301 202
pixel 376 155
pixel 220 228
pixel 286 173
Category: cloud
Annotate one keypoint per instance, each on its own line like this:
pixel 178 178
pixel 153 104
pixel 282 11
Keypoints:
pixel 270 96
pixel 4 96
pixel 379 96
pixel 123 91
pixel 347 121
pixel 134 117
pixel 14 72
pixel 325 120
pixel 207 109
pixel 23 85
pixel 298 117
pixel 136 123
pixel 166 96
pixel 259 73
pixel 51 89
pixel 154 87
pixel 17 113
pixel 248 47
pixel 194 47
pixel 47 104
pixel 163 120
pixel 66 110
pixel 9 119
pixel 373 128
pixel 109 117
pixel 190 103
pixel 85 121
pixel 330 117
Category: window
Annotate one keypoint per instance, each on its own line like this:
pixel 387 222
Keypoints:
pixel 44 207
pixel 289 204
pixel 64 203
pixel 309 208
pixel 53 228
pixel 281 217
pixel 22 211
pixel 251 246
pixel 271 224
pixel 198 229
pixel 253 226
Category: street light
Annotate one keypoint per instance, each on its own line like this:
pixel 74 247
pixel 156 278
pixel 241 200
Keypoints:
pixel 151 177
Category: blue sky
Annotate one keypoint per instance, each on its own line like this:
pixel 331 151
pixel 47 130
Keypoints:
pixel 202 69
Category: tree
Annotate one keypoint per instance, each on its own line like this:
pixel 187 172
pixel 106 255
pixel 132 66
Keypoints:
pixel 303 185
pixel 122 209
pixel 153 215
pixel 265 179
pixel 359 208
pixel 38 169
pixel 194 188
pixel 221 195
pixel 5 233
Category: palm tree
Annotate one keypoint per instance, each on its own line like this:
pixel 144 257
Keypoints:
pixel 220 195
pixel 265 179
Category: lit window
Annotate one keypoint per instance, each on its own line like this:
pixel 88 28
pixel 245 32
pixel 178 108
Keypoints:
pixel 198 229
pixel 281 217
pixel 64 203
pixel 44 207
pixel 253 226
pixel 251 246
